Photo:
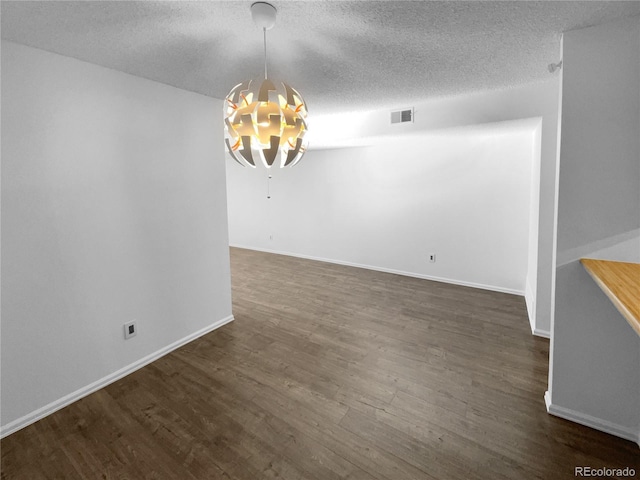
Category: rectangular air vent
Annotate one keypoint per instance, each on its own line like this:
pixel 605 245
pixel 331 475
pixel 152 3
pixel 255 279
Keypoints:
pixel 402 116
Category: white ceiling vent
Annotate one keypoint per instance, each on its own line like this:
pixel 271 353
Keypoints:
pixel 402 116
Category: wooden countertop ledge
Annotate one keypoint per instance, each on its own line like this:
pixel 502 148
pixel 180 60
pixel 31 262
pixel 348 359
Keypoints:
pixel 620 281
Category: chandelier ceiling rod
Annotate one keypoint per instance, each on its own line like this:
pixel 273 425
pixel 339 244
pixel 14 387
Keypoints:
pixel 264 31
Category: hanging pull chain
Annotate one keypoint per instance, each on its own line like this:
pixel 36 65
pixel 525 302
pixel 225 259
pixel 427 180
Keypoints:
pixel 264 32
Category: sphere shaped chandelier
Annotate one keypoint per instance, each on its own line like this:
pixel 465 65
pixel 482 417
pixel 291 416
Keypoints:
pixel 265 121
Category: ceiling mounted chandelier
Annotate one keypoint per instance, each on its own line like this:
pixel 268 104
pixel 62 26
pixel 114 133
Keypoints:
pixel 265 121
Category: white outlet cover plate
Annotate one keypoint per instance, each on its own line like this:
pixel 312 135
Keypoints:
pixel 127 332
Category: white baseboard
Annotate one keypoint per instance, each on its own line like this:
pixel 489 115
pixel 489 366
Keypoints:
pixel 462 283
pixel 589 421
pixel 530 301
pixel 541 333
pixel 56 405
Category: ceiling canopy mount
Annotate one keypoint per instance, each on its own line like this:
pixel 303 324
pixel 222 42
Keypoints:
pixel 264 15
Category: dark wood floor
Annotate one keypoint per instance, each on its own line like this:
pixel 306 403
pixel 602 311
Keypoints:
pixel 329 372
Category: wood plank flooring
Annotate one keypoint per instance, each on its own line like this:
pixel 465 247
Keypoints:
pixel 329 372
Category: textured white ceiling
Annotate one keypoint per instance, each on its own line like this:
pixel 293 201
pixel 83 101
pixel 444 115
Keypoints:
pixel 340 55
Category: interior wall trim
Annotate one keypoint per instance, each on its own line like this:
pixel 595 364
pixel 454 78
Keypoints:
pixel 56 405
pixel 530 301
pixel 541 333
pixel 462 283
pixel 590 421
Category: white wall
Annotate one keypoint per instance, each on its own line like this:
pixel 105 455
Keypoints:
pixel 462 194
pixel 113 209
pixel 539 100
pixel 600 167
pixel 595 354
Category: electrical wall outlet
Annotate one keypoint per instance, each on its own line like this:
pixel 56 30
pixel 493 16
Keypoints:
pixel 432 258
pixel 130 330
